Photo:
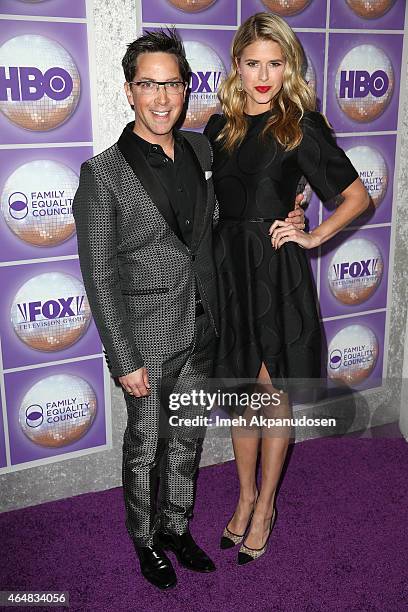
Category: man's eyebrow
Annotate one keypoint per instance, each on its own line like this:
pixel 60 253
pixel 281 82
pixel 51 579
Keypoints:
pixel 147 78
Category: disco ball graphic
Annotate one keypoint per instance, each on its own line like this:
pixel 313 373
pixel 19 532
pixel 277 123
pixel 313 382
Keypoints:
pixel 39 81
pixel 372 169
pixel 355 271
pixel 310 73
pixel 353 353
pixel 58 410
pixel 192 6
pixel 307 194
pixel 370 9
pixel 36 202
pixel 286 8
pixel 208 71
pixel 364 83
pixel 50 312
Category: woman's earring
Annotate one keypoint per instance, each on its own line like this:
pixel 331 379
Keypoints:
pixel 240 87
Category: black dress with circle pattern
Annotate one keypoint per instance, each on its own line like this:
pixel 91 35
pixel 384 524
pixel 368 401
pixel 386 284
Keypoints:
pixel 267 297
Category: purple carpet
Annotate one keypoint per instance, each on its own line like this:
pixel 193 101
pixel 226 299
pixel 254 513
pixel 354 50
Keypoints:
pixel 340 542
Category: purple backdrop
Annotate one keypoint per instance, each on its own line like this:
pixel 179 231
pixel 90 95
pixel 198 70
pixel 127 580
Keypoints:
pixel 50 8
pixel 222 12
pixel 342 16
pixel 339 46
pixel 16 353
pixel 330 305
pixel 313 16
pixel 13 248
pixel 18 383
pixel 2 439
pixel 73 37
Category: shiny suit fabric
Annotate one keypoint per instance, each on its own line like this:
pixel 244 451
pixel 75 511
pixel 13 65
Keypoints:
pixel 140 280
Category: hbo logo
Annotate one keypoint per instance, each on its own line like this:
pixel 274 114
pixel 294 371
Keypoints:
pixel 29 83
pixel 360 83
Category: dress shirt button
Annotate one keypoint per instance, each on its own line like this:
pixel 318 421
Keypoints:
pixel 166 159
pixel 154 148
pixel 180 189
pixel 188 221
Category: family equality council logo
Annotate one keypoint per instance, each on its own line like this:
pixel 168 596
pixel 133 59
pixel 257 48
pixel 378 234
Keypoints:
pixel 58 410
pixel 36 202
pixel 353 354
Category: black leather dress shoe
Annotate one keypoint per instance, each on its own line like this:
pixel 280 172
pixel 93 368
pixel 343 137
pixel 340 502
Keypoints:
pixel 188 553
pixel 156 567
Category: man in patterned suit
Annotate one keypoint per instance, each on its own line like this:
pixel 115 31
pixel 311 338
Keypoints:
pixel 144 214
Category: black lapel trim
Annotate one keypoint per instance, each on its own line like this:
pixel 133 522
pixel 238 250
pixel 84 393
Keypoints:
pixel 201 207
pixel 137 161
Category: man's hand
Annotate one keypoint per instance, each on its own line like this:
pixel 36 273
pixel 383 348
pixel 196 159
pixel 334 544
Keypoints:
pixel 136 383
pixel 296 217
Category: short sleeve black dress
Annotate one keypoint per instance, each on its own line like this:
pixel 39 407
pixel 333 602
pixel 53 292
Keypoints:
pixel 267 297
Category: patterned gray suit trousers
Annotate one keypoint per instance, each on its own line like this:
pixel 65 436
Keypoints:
pixel 160 461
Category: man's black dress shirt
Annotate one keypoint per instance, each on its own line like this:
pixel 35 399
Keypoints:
pixel 179 178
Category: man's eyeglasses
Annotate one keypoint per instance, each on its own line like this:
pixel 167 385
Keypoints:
pixel 152 87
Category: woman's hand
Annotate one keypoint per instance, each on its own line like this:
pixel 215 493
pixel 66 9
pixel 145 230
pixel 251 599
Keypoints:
pixel 281 232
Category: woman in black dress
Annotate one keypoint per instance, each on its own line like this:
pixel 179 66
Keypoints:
pixel 267 138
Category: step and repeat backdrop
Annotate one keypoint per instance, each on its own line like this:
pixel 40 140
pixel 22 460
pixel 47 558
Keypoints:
pixel 354 52
pixel 54 396
pixel 55 393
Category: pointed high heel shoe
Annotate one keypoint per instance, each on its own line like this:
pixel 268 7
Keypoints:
pixel 246 554
pixel 230 539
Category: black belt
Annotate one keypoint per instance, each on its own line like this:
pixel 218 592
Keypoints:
pixel 252 219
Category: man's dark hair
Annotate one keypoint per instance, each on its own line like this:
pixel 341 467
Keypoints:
pixel 156 42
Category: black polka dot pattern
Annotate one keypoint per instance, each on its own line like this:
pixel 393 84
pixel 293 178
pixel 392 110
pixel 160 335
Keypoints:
pixel 267 297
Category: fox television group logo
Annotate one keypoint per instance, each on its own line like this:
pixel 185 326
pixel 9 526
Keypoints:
pixel 58 410
pixel 364 83
pixel 36 202
pixel 355 271
pixel 207 73
pixel 50 312
pixel 39 82
pixel 353 353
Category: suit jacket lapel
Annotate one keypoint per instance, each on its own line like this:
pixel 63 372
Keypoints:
pixel 137 161
pixel 200 207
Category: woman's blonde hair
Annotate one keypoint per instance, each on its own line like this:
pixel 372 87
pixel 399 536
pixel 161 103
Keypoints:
pixel 289 104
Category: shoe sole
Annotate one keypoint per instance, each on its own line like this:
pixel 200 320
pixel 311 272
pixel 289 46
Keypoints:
pixel 162 588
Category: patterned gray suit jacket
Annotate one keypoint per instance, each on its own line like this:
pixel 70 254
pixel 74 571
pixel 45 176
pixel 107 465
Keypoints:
pixel 139 276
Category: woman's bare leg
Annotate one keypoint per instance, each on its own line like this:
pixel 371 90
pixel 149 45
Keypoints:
pixel 245 441
pixel 274 445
